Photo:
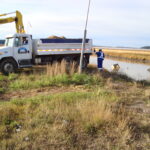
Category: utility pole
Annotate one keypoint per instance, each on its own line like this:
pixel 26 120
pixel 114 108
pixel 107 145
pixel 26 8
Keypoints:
pixel 84 39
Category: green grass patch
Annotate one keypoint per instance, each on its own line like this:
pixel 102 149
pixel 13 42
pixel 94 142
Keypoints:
pixel 66 120
pixel 30 82
pixel 2 77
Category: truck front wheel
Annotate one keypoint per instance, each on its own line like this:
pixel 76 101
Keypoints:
pixel 8 66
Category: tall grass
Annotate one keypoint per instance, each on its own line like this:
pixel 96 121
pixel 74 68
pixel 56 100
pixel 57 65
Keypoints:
pixel 61 68
pixel 55 75
pixel 67 121
pixel 86 117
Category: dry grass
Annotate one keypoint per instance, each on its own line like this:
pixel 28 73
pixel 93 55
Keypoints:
pixel 132 51
pixel 90 117
pixel 61 68
pixel 57 124
pixel 132 54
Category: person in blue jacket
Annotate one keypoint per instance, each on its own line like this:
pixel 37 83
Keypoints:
pixel 100 58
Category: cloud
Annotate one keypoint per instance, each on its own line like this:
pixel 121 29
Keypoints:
pixel 109 20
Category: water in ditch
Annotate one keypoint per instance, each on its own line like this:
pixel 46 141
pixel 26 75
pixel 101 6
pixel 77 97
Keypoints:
pixel 133 70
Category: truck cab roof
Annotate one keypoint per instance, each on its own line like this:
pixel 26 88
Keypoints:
pixel 17 35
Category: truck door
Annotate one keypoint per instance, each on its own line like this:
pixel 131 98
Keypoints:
pixel 22 51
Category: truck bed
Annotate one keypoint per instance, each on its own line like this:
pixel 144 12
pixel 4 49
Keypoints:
pixel 61 46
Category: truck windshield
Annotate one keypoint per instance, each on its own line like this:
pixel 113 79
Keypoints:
pixel 9 42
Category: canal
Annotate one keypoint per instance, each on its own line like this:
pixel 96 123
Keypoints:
pixel 133 70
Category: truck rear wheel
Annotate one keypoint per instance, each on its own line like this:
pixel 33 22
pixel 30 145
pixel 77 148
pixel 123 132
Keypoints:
pixel 84 63
pixel 8 66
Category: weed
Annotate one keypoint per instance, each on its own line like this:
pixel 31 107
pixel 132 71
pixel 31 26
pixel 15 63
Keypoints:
pixel 2 77
pixel 87 116
pixel 82 79
pixel 2 90
pixel 12 77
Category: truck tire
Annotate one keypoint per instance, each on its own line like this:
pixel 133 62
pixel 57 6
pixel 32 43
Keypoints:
pixel 85 62
pixel 8 66
pixel 68 62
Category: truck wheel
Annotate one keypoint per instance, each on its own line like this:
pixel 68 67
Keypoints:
pixel 68 62
pixel 8 66
pixel 85 63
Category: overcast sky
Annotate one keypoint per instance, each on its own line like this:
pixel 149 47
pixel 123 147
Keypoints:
pixel 111 22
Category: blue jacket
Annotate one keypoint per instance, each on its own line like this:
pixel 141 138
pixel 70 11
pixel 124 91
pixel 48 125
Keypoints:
pixel 100 55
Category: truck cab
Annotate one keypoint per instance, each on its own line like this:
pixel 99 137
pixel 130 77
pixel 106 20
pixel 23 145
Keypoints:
pixel 16 53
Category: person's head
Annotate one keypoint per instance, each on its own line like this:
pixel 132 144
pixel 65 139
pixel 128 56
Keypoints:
pixel 24 38
pixel 100 50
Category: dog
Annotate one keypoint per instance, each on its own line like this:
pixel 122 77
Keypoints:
pixel 115 67
pixel 148 69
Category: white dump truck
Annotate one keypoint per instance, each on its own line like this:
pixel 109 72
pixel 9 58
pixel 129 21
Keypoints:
pixel 21 51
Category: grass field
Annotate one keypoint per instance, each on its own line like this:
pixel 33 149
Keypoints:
pixel 59 109
pixel 131 54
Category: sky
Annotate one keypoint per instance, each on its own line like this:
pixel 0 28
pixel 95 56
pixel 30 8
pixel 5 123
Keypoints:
pixel 111 22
